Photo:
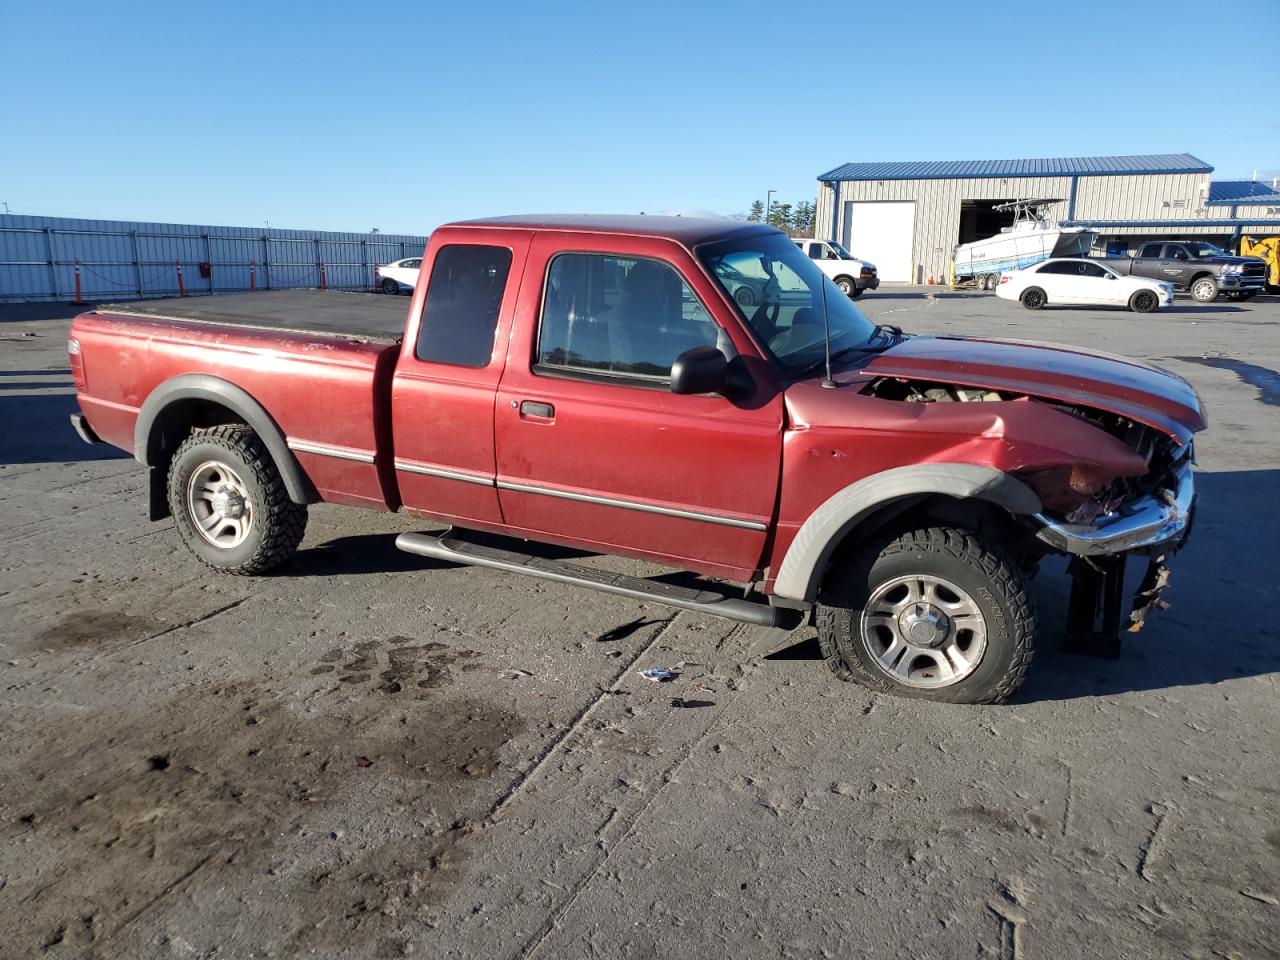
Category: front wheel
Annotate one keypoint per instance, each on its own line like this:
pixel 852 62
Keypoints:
pixel 1144 301
pixel 847 287
pixel 1033 298
pixel 745 296
pixel 1204 290
pixel 936 614
pixel 389 286
pixel 229 501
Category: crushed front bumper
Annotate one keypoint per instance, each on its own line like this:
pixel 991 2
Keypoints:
pixel 1149 522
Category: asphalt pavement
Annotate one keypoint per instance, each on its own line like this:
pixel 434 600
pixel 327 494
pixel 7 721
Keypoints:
pixel 369 754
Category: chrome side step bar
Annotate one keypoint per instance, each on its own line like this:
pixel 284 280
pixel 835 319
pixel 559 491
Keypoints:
pixel 715 604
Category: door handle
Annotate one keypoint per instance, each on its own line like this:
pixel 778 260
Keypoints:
pixel 534 408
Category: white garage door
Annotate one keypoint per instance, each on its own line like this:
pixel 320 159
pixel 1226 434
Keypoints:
pixel 882 231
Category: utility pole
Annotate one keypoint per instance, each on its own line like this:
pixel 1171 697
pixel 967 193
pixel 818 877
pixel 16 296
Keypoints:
pixel 768 204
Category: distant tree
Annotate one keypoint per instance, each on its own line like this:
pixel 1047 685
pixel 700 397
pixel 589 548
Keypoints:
pixel 803 219
pixel 757 211
pixel 780 216
pixel 374 230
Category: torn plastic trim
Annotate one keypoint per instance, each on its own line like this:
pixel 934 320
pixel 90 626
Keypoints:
pixel 1143 523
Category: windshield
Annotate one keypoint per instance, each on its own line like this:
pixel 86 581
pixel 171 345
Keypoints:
pixel 785 309
pixel 844 254
pixel 1206 250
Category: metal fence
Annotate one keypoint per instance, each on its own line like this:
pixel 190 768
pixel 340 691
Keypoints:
pixel 56 258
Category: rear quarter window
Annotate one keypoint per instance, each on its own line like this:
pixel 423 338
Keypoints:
pixel 460 313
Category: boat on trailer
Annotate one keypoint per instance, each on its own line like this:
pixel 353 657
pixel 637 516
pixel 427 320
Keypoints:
pixel 1034 236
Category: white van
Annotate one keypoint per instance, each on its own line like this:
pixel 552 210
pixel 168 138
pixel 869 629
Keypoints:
pixel 850 274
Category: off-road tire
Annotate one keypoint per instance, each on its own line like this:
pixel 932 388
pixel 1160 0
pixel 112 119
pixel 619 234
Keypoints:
pixel 390 287
pixel 1033 298
pixel 983 570
pixel 1143 301
pixel 1204 289
pixel 278 523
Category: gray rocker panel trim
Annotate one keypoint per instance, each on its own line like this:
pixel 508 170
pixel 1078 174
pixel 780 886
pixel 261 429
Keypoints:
pixel 811 550
pixel 200 386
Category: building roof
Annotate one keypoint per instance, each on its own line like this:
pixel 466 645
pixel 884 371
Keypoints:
pixel 1232 192
pixel 684 230
pixel 1043 167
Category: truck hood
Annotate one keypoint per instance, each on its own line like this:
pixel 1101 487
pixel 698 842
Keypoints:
pixel 1129 388
pixel 1231 261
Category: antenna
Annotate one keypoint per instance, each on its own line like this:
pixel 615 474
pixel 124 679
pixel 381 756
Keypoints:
pixel 826 336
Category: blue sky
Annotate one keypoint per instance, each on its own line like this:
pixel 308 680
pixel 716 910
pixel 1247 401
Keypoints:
pixel 406 115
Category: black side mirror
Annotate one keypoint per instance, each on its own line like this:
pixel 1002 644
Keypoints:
pixel 700 370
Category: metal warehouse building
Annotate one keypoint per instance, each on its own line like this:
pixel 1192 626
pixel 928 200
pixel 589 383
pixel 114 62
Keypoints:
pixel 908 217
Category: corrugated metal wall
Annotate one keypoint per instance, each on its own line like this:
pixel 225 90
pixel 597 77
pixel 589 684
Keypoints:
pixel 937 218
pixel 121 260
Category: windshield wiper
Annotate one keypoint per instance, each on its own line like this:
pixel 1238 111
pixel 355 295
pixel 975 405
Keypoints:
pixel 888 331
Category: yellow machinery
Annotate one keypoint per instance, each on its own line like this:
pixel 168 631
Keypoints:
pixel 1267 249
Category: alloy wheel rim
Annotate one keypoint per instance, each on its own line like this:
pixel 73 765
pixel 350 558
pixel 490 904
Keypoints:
pixel 219 505
pixel 923 631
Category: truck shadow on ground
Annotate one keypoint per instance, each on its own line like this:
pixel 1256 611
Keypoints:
pixel 37 424
pixel 1205 636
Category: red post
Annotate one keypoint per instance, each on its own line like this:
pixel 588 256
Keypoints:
pixel 253 280
pixel 323 280
pixel 182 290
pixel 79 299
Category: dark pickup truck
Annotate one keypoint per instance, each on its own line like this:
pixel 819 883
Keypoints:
pixel 594 382
pixel 1193 266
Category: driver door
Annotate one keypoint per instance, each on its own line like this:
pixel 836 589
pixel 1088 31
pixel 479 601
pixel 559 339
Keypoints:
pixel 594 449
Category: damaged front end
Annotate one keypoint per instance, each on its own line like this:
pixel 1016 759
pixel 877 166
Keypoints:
pixel 1096 513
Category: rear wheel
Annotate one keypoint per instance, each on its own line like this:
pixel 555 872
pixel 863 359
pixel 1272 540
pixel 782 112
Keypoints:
pixel 229 501
pixel 1144 301
pixel 389 286
pixel 1204 289
pixel 989 281
pixel 936 614
pixel 1033 298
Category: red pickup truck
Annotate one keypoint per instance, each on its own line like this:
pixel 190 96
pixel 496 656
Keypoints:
pixel 590 382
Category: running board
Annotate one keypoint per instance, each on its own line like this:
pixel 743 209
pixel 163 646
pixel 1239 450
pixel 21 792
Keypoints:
pixel 638 588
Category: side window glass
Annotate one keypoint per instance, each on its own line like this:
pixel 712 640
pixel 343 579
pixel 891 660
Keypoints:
pixel 461 309
pixel 1177 253
pixel 618 316
pixel 817 251
pixel 1151 250
pixel 1054 267
pixel 1093 270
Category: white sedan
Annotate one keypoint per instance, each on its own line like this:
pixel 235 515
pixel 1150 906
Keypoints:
pixel 1081 282
pixel 394 277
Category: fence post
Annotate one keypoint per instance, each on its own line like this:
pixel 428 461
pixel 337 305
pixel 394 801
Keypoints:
pixel 53 265
pixel 208 255
pixel 182 290
pixel 364 262
pixel 137 264
pixel 79 299
pixel 319 264
pixel 266 260
pixel 323 280
pixel 253 280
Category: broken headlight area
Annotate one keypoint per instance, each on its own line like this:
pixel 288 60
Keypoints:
pixel 1084 494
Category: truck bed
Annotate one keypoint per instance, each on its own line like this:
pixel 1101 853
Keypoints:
pixel 363 316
